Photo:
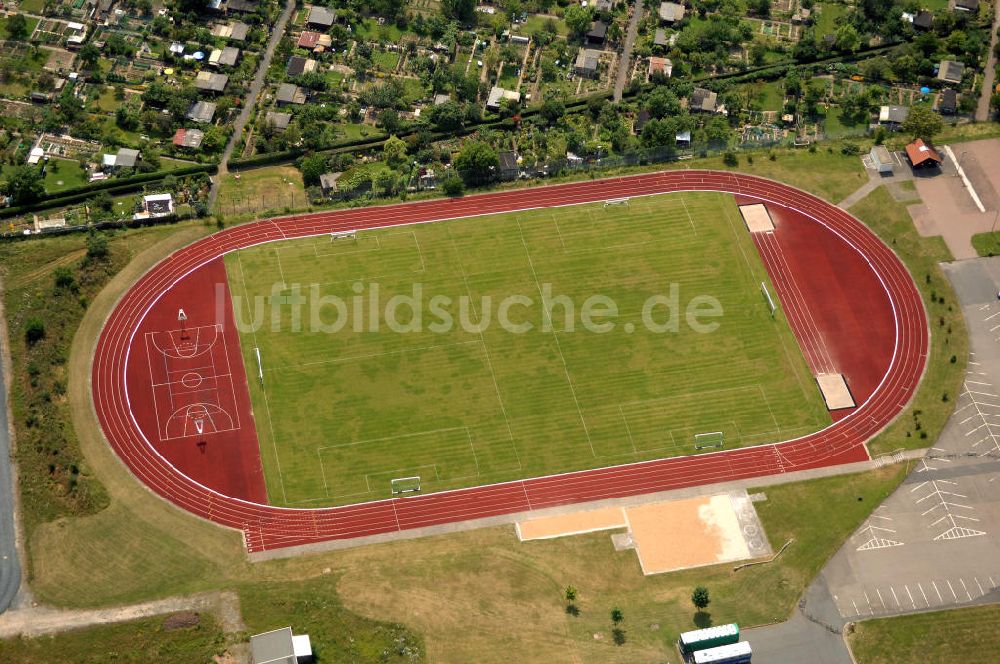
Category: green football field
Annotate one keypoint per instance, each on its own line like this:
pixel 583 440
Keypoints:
pixel 361 385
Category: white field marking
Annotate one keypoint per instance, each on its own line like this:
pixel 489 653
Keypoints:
pixel 924 594
pixel 940 599
pixel 486 352
pixel 690 218
pixel 281 271
pixel 896 599
pixel 326 487
pixel 912 603
pixel 966 588
pixel 952 589
pixel 155 299
pixel 628 431
pixel 263 389
pixel 562 357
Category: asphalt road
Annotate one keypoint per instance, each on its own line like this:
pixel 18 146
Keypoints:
pixel 10 568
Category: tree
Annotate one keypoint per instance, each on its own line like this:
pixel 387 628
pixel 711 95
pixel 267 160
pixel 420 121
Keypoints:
pixel 553 109
pixel 847 38
pixel 570 594
pixel 617 616
pixel 313 166
pixel 17 27
pixel 663 102
pixel 447 116
pixel 24 184
pixel 34 331
pixel 922 122
pixel 453 185
pixel 89 55
pixel 460 10
pixel 700 598
pixel 394 151
pixel 476 162
pixel 577 19
pixel 97 246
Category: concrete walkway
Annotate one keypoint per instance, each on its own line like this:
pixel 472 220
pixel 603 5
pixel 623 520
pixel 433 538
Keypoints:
pixel 251 100
pixel 983 109
pixel 39 620
pixel 625 62
pixel 862 191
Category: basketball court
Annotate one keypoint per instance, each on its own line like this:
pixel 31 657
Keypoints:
pixel 668 536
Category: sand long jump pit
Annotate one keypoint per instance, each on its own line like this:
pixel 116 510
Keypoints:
pixel 668 536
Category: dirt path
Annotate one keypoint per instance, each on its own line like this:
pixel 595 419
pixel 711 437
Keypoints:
pixel 39 620
pixel 46 269
pixel 983 108
pixel 625 64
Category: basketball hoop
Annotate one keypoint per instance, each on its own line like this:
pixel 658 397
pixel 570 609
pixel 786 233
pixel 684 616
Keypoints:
pixel 199 425
pixel 182 319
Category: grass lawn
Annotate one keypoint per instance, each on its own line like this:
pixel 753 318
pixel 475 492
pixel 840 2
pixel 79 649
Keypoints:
pixel 987 244
pixel 343 411
pixel 62 174
pixel 30 23
pixel 107 101
pixel 828 21
pixel 771 96
pixel 145 640
pixel 968 635
pixel 260 189
pixel 927 414
pixel 385 60
pixel 536 23
pixel 369 29
pixel 32 6
pixel 352 131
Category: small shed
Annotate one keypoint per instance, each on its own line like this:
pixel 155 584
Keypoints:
pixel 881 159
pixel 671 12
pixel 598 32
pixel 280 646
pixel 320 18
pixel 951 71
pixel 922 155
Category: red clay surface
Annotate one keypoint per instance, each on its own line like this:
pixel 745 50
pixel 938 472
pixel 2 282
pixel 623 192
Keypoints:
pixel 835 303
pixel 227 456
pixel 268 527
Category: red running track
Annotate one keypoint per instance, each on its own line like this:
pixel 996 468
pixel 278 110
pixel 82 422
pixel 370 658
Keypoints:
pixel 268 527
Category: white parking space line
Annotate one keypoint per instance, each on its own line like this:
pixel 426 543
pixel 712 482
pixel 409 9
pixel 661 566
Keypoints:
pixel 967 593
pixel 952 590
pixel 879 593
pixel 870 609
pixel 940 599
pixel 981 591
pixel 911 596
pixel 856 612
pixel 924 594
pixel 896 599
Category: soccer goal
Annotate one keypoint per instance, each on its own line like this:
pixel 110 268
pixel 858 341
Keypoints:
pixel 709 440
pixel 767 297
pixel 402 486
pixel 616 201
pixel 343 235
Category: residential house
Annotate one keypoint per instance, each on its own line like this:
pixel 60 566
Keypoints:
pixel 587 63
pixel 320 18
pixel 702 100
pixel 671 12
pixel 328 183
pixel 951 71
pixel 598 33
pixel 125 158
pixel 242 6
pixel 280 646
pixel 188 138
pixel 201 111
pixel 964 5
pixel 923 20
pixel 290 94
pixel 298 65
pixel 224 57
pixel 308 40
pixel 233 31
pixel 659 67
pixel 498 94
pixel 922 155
pixel 211 82
pixel 947 102
pixel 893 116
pixel 278 120
pixel 509 168
pixel 156 205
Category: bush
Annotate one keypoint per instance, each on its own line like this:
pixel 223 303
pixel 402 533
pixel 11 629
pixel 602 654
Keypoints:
pixel 34 331
pixel 97 246
pixel 453 186
pixel 729 159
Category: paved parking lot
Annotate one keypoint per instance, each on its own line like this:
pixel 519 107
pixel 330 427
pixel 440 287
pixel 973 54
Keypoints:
pixel 935 542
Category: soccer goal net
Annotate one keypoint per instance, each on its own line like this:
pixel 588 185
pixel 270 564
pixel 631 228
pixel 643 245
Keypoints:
pixel 616 201
pixel 767 298
pixel 709 440
pixel 343 235
pixel 405 485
